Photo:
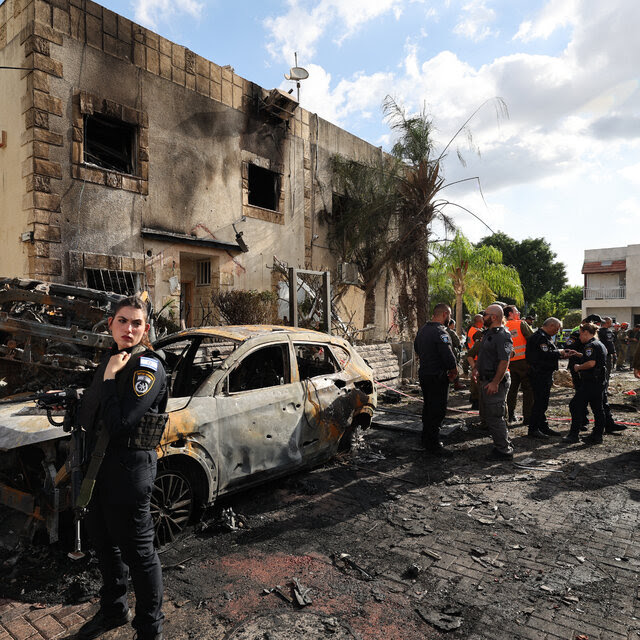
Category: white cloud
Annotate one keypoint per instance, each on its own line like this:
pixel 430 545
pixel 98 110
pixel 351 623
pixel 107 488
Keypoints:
pixel 554 15
pixel 631 173
pixel 360 96
pixel 306 22
pixel 630 210
pixel 150 12
pixel 475 20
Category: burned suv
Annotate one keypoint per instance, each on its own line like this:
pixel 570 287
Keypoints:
pixel 247 403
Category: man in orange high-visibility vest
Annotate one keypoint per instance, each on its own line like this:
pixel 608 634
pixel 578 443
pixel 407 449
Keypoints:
pixel 478 325
pixel 520 332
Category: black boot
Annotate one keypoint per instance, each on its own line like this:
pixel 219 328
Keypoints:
pixel 100 624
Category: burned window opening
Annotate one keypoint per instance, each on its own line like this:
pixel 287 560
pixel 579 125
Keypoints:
pixel 315 360
pixel 266 367
pixel 124 282
pixel 264 188
pixel 110 143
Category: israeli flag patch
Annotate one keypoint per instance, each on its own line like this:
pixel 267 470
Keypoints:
pixel 149 363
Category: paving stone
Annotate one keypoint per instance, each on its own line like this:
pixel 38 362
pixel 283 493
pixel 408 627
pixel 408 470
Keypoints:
pixel 20 629
pixel 48 626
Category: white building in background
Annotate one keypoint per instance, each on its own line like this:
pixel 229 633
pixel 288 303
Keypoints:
pixel 612 283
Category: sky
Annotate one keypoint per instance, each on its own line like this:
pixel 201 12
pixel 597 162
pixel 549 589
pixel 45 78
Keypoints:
pixel 555 87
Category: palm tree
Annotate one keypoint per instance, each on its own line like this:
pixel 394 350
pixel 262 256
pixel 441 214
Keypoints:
pixel 384 218
pixel 473 275
pixel 420 187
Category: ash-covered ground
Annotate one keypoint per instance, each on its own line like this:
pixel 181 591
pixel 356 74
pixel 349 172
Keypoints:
pixel 391 543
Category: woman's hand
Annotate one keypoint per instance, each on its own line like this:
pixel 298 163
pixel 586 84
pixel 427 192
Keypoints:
pixel 116 363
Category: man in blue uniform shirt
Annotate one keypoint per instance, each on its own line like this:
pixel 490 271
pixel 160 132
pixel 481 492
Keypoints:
pixel 437 370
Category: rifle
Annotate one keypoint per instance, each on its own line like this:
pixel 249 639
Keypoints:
pixel 68 400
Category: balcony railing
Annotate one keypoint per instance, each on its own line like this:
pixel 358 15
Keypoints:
pixel 604 293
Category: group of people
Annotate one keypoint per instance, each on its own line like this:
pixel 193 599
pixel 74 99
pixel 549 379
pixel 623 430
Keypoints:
pixel 506 354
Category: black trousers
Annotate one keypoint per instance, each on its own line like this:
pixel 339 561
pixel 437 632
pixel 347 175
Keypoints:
pixel 121 527
pixel 588 392
pixel 608 418
pixel 435 393
pixel 584 419
pixel 541 383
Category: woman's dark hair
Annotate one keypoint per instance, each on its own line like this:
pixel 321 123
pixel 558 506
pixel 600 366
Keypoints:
pixel 133 301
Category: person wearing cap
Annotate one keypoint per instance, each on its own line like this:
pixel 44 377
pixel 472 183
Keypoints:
pixel 591 371
pixel 542 356
pixel 622 345
pixel 605 335
pixel 574 342
pixel 529 320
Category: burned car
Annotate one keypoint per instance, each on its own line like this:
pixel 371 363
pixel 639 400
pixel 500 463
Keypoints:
pixel 247 404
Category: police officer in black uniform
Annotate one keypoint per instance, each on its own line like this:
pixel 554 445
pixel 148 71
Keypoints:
pixel 592 372
pixel 573 342
pixel 126 401
pixel 542 356
pixel 437 370
pixel 606 337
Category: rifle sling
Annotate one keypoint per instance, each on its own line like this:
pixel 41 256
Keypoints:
pixel 89 480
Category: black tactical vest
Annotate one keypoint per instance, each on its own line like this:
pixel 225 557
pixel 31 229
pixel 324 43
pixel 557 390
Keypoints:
pixel 146 434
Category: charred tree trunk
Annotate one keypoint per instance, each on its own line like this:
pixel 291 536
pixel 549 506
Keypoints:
pixel 370 305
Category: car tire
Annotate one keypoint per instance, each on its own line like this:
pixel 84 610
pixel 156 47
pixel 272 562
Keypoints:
pixel 172 504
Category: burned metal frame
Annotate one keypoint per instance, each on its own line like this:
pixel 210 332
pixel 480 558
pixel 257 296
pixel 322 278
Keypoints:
pixel 326 296
pixel 52 325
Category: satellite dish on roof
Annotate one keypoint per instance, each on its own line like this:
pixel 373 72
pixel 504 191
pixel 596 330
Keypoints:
pixel 297 73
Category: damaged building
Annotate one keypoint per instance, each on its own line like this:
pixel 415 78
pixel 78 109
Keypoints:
pixel 128 161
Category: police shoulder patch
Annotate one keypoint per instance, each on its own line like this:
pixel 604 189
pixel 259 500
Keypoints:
pixel 142 382
pixel 508 347
pixel 588 351
pixel 149 363
pixel 544 347
pixel 444 338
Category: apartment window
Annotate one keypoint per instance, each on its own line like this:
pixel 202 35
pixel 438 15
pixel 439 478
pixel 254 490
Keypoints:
pixel 203 273
pixel 264 188
pixel 125 282
pixel 110 143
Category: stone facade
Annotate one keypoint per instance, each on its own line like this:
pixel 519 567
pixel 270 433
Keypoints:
pixel 192 135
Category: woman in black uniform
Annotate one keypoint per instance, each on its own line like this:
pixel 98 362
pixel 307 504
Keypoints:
pixel 123 414
pixel 592 372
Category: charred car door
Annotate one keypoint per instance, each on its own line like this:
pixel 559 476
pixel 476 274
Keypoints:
pixel 328 399
pixel 260 413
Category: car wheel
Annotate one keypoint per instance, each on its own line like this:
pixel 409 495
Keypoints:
pixel 172 503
